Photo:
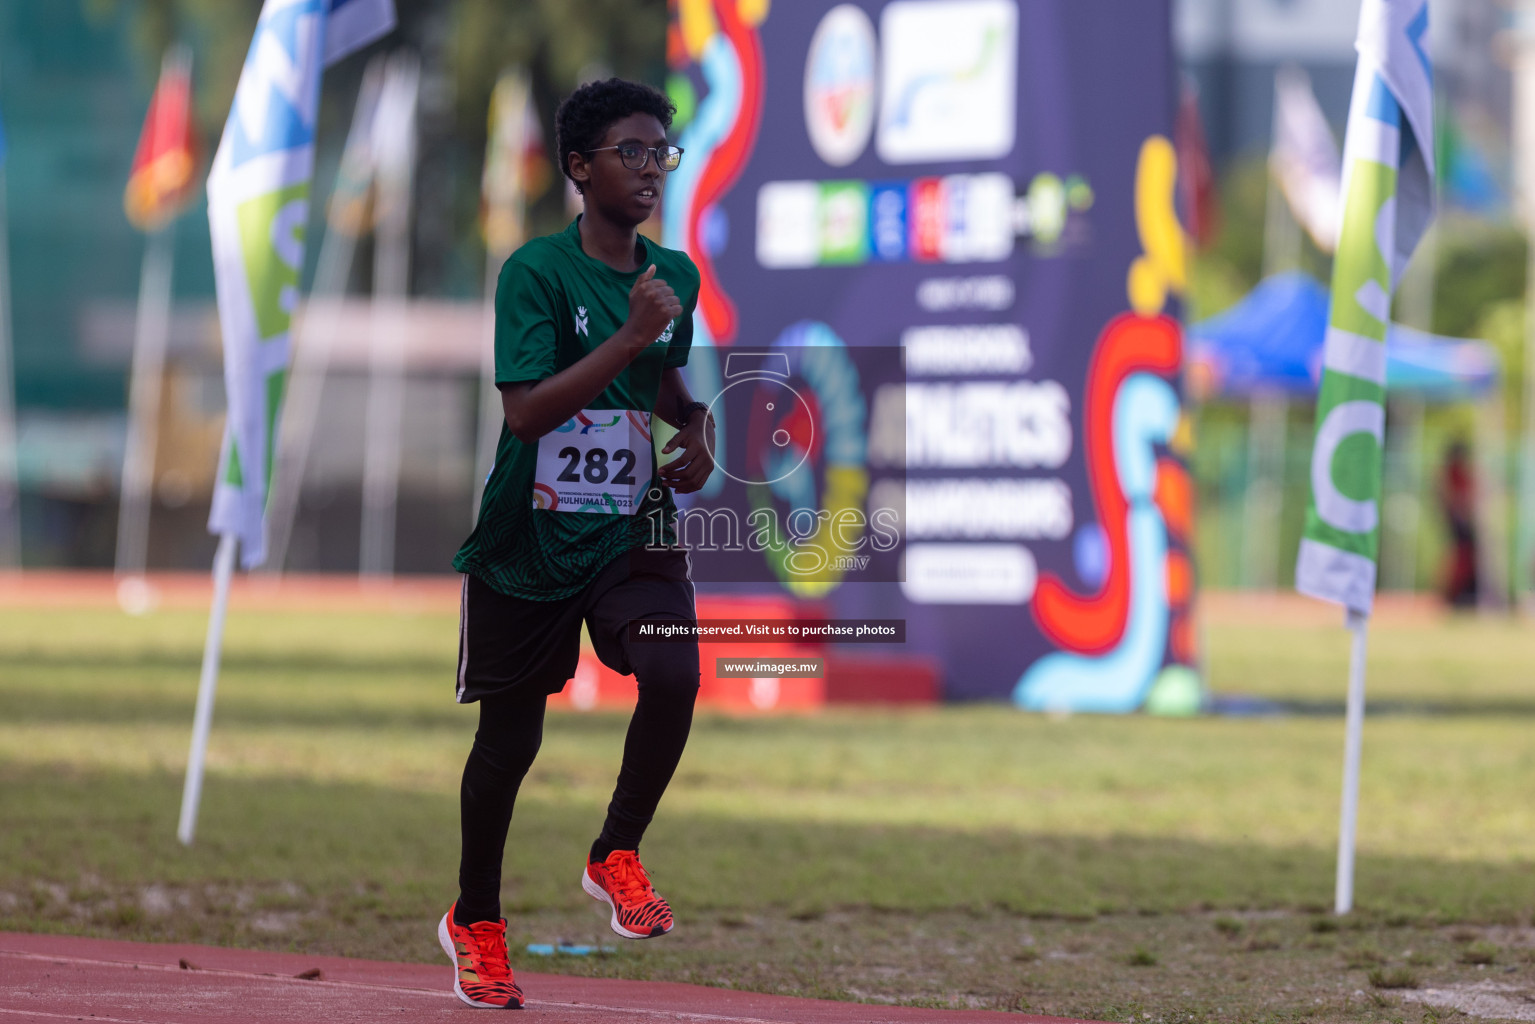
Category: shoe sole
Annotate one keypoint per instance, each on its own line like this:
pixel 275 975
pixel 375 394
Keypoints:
pixel 446 941
pixel 600 894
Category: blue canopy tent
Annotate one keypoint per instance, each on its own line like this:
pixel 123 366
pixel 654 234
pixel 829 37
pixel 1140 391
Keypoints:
pixel 1272 341
pixel 1267 350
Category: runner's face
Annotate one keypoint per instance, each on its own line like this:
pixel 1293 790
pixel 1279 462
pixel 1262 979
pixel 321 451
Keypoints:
pixel 623 195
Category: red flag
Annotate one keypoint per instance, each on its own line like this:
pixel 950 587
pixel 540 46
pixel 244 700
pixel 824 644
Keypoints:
pixel 164 174
pixel 1197 178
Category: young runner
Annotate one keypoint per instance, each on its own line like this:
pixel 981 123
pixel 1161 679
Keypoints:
pixel 592 327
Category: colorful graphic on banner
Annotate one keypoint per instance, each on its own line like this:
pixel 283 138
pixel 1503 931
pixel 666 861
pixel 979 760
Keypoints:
pixel 984 187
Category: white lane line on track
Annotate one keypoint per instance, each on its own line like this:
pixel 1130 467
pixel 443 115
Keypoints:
pixel 193 972
pixel 78 1016
pixel 669 1014
pixel 176 969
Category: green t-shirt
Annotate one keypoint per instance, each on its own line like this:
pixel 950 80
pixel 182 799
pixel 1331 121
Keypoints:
pixel 554 304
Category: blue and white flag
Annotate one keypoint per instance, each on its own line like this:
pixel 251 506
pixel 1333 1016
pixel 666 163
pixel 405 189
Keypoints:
pixel 258 209
pixel 1388 201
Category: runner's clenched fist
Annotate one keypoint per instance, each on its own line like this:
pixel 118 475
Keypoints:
pixel 652 305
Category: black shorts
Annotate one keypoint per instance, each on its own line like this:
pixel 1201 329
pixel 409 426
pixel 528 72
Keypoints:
pixel 510 644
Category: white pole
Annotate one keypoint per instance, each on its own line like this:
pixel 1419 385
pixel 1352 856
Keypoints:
pixel 1524 183
pixel 1404 490
pixel 151 332
pixel 1358 625
pixel 1268 410
pixel 301 409
pixel 191 795
pixel 1268 414
pixel 1490 468
pixel 313 333
pixel 505 193
pixel 10 485
pixel 391 279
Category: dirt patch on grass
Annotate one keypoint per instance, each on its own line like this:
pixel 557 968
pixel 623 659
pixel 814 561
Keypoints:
pixel 1487 998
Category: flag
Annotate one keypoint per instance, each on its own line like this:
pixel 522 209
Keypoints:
pixel 258 209
pixel 1305 160
pixel 516 164
pixel 1388 201
pixel 1201 204
pixel 352 24
pixel 164 174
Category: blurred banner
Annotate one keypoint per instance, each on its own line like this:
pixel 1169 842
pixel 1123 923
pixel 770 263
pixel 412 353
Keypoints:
pixel 258 211
pixel 975 197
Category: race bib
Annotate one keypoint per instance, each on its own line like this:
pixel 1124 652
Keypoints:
pixel 598 461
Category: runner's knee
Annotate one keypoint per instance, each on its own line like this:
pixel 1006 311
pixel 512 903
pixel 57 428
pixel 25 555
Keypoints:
pixel 510 733
pixel 667 672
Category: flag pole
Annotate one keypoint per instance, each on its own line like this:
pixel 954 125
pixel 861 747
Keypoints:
pixel 202 722
pixel 391 282
pixel 1524 187
pixel 1353 739
pixel 256 220
pixel 1388 201
pixel 504 188
pixel 1268 409
pixel 491 413
pixel 311 365
pixel 314 333
pixel 148 370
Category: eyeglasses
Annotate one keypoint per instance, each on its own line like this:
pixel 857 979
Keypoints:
pixel 636 156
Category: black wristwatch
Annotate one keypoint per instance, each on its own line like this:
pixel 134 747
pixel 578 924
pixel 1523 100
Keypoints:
pixel 685 411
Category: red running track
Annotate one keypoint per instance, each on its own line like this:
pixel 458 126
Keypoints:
pixel 49 978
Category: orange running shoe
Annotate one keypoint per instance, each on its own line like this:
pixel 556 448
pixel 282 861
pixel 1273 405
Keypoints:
pixel 478 951
pixel 621 883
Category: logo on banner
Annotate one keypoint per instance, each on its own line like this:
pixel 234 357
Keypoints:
pixel 948 80
pixel 839 85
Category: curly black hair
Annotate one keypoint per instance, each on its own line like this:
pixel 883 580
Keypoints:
pixel 587 114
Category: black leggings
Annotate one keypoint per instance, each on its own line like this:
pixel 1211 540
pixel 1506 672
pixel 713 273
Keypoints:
pixel 510 732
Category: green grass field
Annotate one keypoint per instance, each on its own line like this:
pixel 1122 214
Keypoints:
pixel 970 856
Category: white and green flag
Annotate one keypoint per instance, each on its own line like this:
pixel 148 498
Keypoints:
pixel 258 209
pixel 1388 201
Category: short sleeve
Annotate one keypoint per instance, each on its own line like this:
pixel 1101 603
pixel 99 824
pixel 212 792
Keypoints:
pixel 526 332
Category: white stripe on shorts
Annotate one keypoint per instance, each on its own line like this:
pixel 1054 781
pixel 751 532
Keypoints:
pixel 463 637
